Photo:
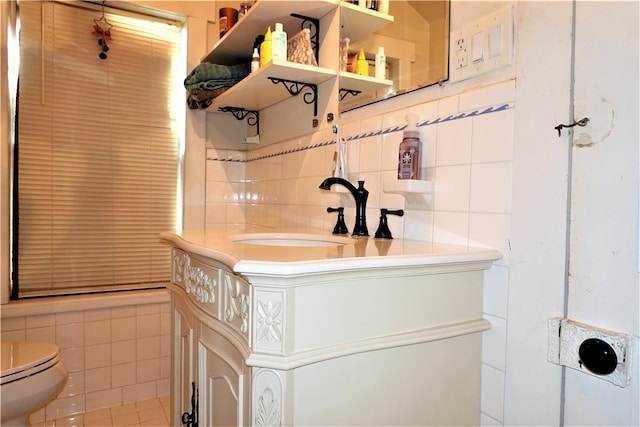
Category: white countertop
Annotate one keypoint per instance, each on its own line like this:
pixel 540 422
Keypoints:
pixel 358 253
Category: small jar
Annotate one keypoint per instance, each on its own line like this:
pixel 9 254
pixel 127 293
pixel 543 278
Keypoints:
pixel 244 9
pixel 228 18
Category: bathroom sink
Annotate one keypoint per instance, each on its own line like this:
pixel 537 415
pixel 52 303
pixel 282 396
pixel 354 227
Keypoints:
pixel 290 239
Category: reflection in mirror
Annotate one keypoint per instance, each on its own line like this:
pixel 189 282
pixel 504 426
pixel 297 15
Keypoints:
pixel 416 46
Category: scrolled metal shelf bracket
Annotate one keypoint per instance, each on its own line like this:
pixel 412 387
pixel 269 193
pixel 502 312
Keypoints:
pixel 345 92
pixel 253 117
pixel 314 32
pixel 294 88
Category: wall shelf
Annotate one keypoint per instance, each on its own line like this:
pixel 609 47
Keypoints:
pixel 417 193
pixel 264 87
pixel 238 41
pixel 257 91
pixel 358 22
pixel 355 84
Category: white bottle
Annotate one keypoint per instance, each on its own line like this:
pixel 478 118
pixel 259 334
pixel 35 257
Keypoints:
pixel 381 64
pixel 279 43
pixel 255 60
pixel 383 6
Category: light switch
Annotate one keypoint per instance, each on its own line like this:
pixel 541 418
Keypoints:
pixel 495 40
pixel 482 46
pixel 477 47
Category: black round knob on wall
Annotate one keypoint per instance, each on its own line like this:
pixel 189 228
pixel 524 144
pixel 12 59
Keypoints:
pixel 598 356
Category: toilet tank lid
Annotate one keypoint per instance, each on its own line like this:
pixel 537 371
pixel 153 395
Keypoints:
pixel 23 355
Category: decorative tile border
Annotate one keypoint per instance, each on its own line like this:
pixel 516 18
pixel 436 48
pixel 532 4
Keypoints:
pixel 478 112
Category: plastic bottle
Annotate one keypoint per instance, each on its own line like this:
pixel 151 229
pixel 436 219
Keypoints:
pixel 362 66
pixel 279 43
pixel 266 48
pixel 383 6
pixel 255 60
pixel 381 63
pixel 409 151
pixel 244 9
pixel 340 155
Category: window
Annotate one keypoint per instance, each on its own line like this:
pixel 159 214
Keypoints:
pixel 97 151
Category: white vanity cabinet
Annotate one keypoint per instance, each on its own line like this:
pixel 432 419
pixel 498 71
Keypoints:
pixel 368 333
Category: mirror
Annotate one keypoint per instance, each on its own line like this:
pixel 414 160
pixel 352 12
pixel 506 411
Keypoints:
pixel 416 46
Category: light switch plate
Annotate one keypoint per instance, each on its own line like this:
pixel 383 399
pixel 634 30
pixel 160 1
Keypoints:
pixel 482 46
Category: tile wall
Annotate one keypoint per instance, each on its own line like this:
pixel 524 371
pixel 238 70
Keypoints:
pixel 468 144
pixel 115 353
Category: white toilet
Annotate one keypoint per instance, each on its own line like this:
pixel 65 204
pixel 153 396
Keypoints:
pixel 32 375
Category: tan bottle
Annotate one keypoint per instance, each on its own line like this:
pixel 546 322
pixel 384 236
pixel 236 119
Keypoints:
pixel 409 151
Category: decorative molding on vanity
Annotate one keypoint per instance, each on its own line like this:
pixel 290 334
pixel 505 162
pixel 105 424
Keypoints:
pixel 201 283
pixel 201 286
pixel 270 322
pixel 237 302
pixel 308 357
pixel 267 397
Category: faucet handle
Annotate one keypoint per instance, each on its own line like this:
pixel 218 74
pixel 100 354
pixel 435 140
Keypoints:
pixel 341 227
pixel 383 231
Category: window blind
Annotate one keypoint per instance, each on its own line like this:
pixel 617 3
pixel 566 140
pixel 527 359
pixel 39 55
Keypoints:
pixel 97 151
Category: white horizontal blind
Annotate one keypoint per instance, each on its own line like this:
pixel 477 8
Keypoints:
pixel 98 151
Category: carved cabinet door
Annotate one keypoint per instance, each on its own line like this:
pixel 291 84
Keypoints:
pixel 224 381
pixel 183 363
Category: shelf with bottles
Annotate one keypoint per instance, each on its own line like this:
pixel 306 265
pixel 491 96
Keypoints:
pixel 417 193
pixel 261 89
pixel 238 41
pixel 358 22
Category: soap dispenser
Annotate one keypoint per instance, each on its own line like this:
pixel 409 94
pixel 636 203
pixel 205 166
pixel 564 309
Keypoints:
pixel 409 151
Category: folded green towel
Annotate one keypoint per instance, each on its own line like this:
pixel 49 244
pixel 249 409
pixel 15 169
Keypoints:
pixel 207 72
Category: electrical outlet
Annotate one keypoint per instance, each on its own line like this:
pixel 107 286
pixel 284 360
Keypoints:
pixel 462 55
pixel 462 58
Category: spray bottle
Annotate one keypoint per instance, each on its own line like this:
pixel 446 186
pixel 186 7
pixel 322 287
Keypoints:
pixel 340 156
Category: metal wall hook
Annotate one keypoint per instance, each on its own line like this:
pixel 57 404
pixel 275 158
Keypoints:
pixel 582 123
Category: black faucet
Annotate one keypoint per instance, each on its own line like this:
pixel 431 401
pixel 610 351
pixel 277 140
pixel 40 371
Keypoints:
pixel 360 195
